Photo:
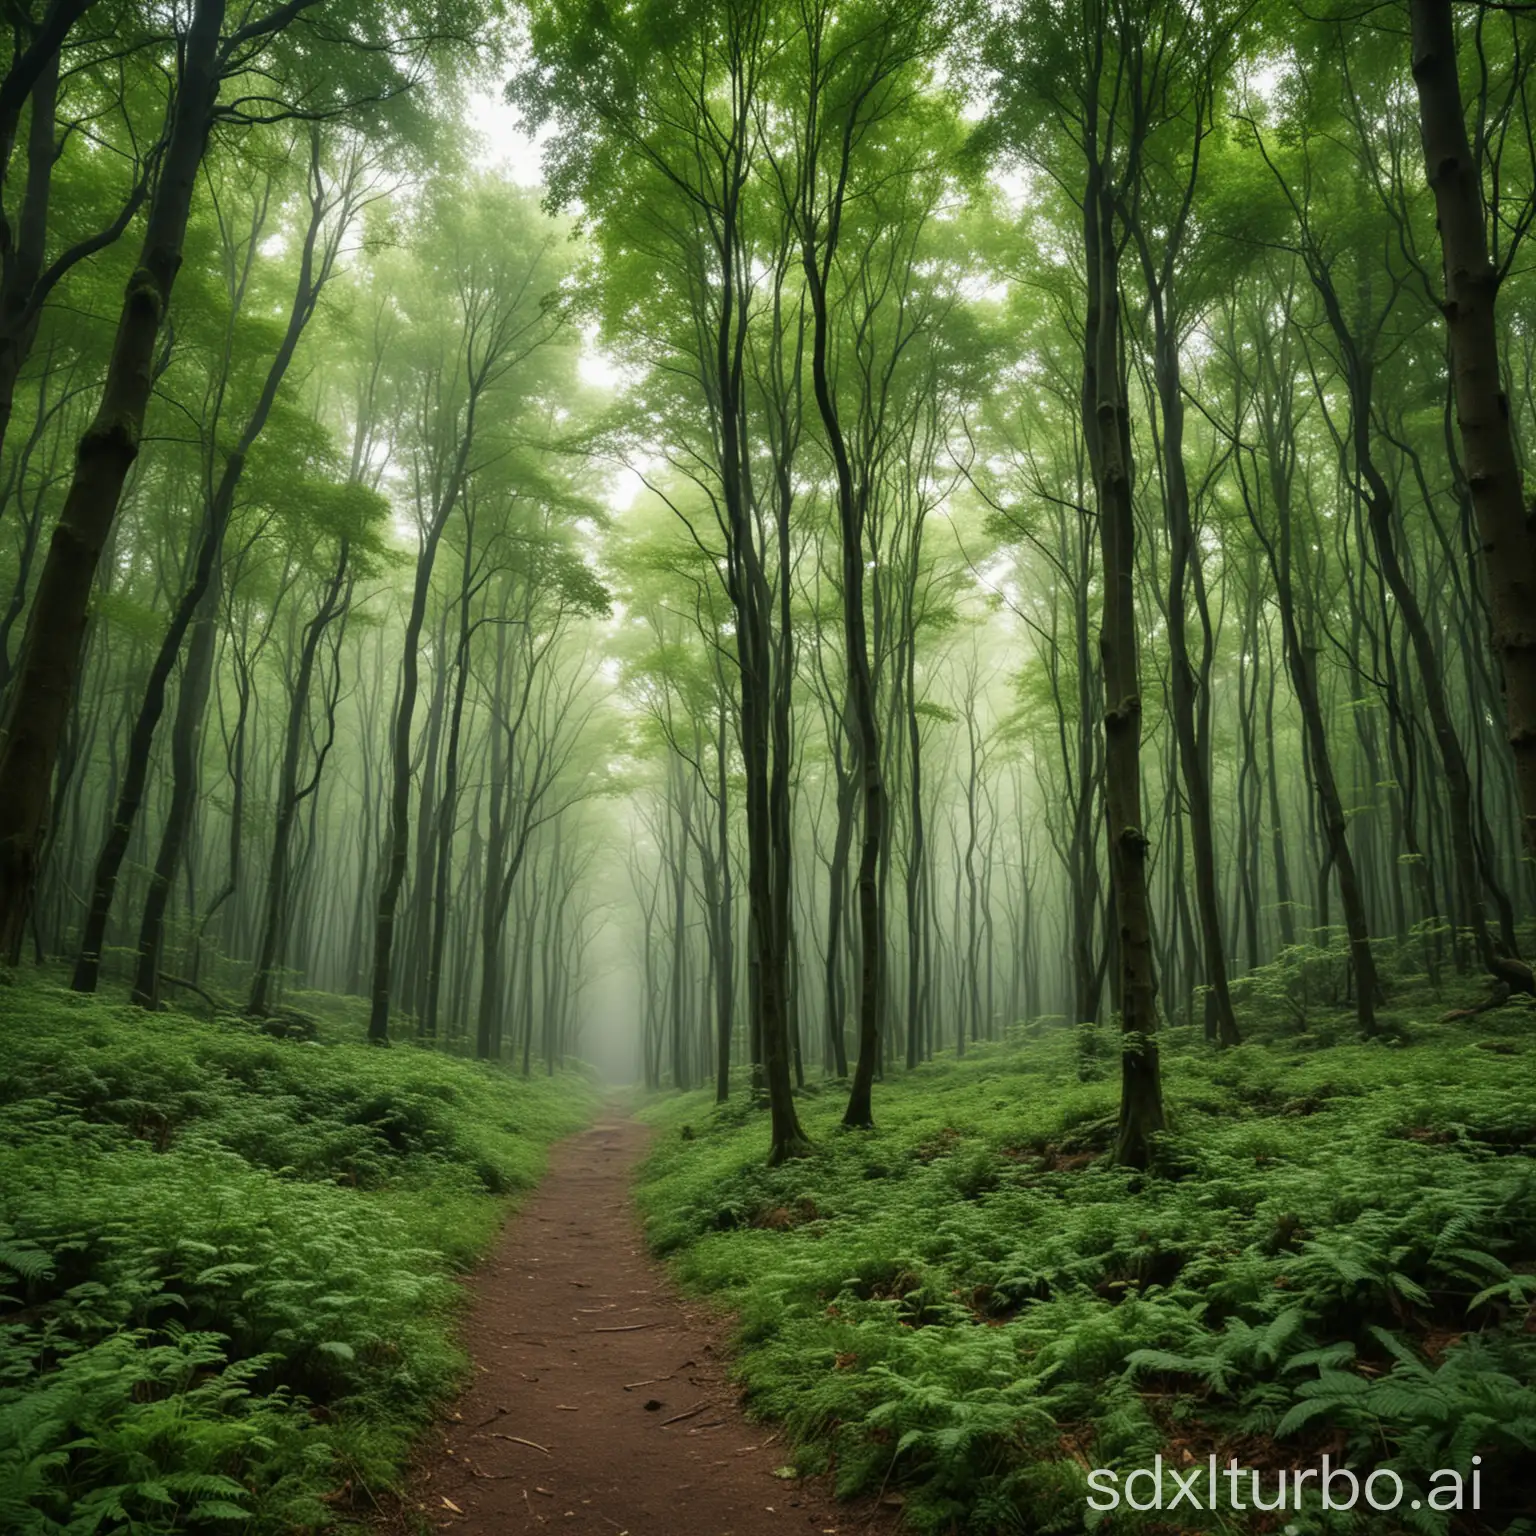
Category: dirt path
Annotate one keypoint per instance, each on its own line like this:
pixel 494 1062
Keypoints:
pixel 601 1402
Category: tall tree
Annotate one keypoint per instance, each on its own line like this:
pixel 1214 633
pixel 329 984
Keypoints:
pixel 1484 418
pixel 670 113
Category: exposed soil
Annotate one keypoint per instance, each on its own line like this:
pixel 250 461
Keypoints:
pixel 601 1401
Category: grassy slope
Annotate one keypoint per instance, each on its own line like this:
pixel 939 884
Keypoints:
pixel 968 1305
pixel 226 1260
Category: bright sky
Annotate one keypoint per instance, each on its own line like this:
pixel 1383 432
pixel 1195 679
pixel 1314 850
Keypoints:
pixel 504 145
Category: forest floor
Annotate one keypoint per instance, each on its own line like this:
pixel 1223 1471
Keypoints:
pixel 970 1309
pixel 601 1401
pixel 228 1293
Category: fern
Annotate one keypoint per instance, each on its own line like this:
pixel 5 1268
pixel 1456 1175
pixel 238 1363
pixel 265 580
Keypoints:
pixel 1318 1196
pixel 183 1303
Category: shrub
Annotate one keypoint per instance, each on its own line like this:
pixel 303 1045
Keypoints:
pixel 226 1259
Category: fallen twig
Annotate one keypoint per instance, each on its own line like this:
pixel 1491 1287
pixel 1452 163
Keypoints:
pixel 518 1440
pixel 624 1328
pixel 677 1418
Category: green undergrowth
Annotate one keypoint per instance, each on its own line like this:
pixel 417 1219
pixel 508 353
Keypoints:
pixel 226 1260
pixel 968 1308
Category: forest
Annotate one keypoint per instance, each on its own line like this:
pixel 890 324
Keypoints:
pixel 884 648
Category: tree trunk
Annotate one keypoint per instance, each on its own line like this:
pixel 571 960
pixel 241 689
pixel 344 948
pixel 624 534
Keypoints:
pixel 1106 425
pixel 765 727
pixel 418 916
pixel 186 741
pixel 1506 528
pixel 861 696
pixel 916 848
pixel 834 981
pixel 289 795
pixel 1283 902
pixel 681 1077
pixel 1190 704
pixel 448 803
pixel 725 943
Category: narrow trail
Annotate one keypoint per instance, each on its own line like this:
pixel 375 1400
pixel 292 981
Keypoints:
pixel 601 1401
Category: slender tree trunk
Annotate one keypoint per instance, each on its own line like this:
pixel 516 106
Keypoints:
pixel 1084 875
pixel 917 853
pixel 1188 701
pixel 229 891
pixel 972 883
pixel 448 805
pixel 765 728
pixel 861 695
pixel 681 1077
pixel 186 755
pixel 418 925
pixel 1249 789
pixel 725 941
pixel 493 918
pixel 289 796
pixel 837 885
pixel 366 844
pixel 1283 901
